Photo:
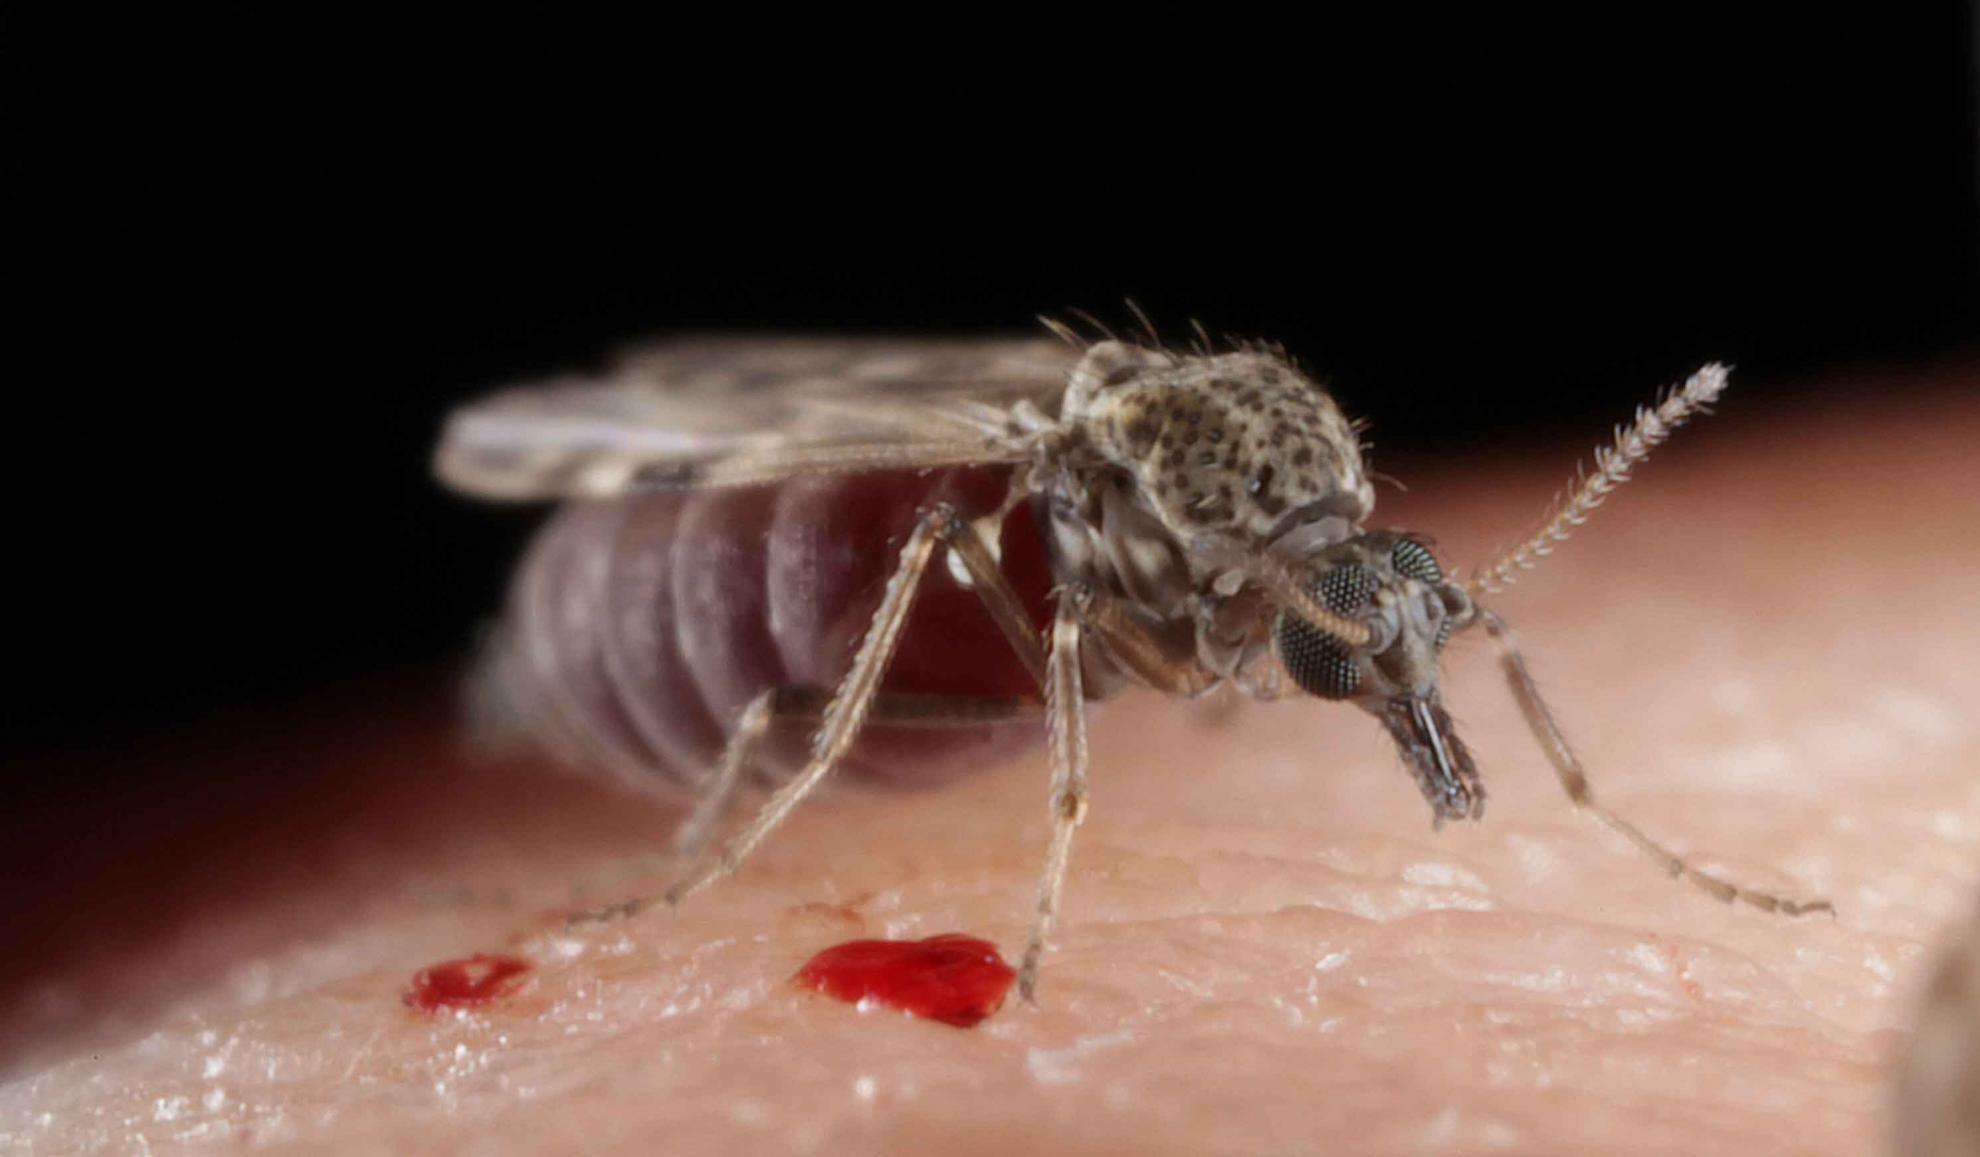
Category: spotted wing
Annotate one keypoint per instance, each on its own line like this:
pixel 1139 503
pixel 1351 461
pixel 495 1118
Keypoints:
pixel 731 411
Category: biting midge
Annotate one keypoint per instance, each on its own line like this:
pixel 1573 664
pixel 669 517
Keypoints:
pixel 754 528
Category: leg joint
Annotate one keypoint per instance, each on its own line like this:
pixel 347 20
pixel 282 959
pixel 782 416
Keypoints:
pixel 945 520
pixel 1070 805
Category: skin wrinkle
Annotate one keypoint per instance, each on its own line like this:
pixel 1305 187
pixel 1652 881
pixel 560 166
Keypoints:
pixel 1263 945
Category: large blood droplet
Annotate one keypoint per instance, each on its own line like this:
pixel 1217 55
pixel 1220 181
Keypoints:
pixel 955 979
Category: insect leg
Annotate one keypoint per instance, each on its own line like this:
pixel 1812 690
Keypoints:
pixel 810 703
pixel 806 703
pixel 847 710
pixel 1082 610
pixel 1065 705
pixel 993 586
pixel 1130 644
pixel 751 726
pixel 1574 781
pixel 895 709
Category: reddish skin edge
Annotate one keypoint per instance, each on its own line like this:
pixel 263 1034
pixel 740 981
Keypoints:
pixel 952 978
pixel 466 983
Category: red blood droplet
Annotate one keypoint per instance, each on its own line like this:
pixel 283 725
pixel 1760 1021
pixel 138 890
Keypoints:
pixel 466 983
pixel 955 979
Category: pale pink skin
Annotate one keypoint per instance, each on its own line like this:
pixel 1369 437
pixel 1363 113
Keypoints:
pixel 1767 650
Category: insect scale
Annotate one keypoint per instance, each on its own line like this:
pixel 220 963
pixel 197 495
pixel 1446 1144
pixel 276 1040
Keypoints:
pixel 921 550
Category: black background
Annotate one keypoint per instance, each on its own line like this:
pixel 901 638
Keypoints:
pixel 263 257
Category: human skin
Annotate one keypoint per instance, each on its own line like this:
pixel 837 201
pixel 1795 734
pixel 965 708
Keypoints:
pixel 1763 650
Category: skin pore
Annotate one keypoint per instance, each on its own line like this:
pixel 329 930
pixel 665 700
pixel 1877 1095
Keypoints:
pixel 1762 650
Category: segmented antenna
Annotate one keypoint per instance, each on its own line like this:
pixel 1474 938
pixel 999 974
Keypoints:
pixel 1613 463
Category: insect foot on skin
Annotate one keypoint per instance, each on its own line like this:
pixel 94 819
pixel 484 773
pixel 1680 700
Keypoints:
pixel 739 516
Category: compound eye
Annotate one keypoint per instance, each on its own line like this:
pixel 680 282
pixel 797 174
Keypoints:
pixel 1412 559
pixel 1316 660
pixel 1347 589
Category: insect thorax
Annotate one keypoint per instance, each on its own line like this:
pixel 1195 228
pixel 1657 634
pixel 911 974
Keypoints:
pixel 1239 445
pixel 1185 469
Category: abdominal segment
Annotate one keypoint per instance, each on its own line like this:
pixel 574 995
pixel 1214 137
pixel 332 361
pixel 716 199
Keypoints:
pixel 639 628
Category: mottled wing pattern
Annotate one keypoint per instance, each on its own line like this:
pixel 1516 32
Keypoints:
pixel 732 409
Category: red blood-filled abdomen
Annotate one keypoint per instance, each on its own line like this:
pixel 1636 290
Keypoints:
pixel 639 628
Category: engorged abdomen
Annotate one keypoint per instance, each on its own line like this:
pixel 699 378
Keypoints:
pixel 639 628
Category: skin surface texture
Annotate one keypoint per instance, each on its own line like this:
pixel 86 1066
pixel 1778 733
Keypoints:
pixel 1763 650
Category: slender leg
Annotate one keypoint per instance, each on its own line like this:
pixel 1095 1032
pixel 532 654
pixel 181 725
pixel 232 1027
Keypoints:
pixel 895 709
pixel 843 716
pixel 858 699
pixel 993 586
pixel 1574 781
pixel 797 703
pixel 1065 705
pixel 934 711
pixel 1135 649
pixel 692 839
pixel 849 706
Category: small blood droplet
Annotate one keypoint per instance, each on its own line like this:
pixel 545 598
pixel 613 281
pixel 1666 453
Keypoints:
pixel 466 983
pixel 955 979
